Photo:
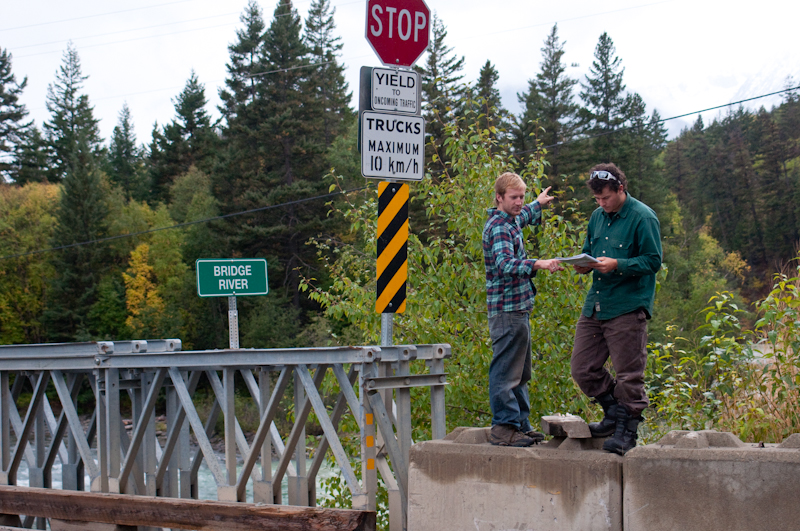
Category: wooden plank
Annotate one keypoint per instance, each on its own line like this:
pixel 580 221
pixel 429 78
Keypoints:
pixel 125 510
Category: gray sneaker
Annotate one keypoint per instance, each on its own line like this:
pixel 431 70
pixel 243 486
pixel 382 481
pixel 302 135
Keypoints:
pixel 505 435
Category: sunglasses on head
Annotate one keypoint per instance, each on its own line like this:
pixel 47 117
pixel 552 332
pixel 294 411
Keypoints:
pixel 603 175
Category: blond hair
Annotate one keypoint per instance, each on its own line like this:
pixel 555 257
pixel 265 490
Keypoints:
pixel 505 181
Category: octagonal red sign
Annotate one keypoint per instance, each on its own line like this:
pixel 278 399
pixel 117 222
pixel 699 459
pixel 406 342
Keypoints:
pixel 398 30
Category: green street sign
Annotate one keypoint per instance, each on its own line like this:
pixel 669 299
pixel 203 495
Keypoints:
pixel 232 277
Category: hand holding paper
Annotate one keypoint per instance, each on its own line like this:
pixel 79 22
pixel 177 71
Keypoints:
pixel 582 259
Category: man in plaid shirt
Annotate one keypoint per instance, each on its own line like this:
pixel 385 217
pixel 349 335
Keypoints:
pixel 509 295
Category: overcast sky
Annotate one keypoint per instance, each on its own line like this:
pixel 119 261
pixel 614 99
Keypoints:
pixel 679 55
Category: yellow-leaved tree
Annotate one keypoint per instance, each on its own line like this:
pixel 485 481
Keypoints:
pixel 145 305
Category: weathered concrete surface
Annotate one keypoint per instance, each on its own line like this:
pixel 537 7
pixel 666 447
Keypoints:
pixel 707 480
pixel 570 426
pixel 464 483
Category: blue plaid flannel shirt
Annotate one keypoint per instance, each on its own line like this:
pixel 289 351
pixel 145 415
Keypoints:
pixel 509 287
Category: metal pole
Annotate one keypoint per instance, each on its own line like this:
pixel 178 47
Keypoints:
pixel 233 323
pixel 387 329
pixel 397 520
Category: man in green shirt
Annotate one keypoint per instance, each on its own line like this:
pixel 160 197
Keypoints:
pixel 624 235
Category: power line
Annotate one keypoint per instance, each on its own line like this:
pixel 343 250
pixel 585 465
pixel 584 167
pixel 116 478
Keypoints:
pixel 622 129
pixel 95 15
pixel 332 194
pixel 290 68
pixel 122 31
pixel 186 224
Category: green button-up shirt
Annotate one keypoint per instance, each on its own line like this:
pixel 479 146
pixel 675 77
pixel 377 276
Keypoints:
pixel 633 237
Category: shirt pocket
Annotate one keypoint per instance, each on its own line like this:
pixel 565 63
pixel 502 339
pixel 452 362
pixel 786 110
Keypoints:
pixel 618 248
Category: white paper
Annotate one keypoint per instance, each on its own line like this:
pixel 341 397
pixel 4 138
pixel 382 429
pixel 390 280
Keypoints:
pixel 582 259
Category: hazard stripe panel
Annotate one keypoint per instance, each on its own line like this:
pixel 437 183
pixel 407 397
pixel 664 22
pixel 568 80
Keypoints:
pixel 392 247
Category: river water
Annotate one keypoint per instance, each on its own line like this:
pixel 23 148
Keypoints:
pixel 206 486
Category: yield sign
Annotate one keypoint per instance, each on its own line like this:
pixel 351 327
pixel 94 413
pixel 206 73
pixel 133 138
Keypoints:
pixel 398 30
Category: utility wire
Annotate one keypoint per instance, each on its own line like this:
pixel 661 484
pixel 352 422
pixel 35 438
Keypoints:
pixel 332 194
pixel 186 224
pixel 627 128
pixel 93 16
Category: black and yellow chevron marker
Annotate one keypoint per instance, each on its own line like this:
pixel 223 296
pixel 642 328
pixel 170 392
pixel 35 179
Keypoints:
pixel 392 247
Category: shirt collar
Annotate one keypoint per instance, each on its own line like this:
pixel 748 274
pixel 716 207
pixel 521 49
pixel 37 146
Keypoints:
pixel 623 212
pixel 494 211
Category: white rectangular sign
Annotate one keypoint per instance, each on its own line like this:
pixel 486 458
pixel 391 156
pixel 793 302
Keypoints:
pixel 392 146
pixel 395 90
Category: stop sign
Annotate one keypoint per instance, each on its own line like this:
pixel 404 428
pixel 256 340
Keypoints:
pixel 398 30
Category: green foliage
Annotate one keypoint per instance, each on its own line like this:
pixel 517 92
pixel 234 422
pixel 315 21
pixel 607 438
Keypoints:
pixel 109 313
pixel 739 175
pixel 548 104
pixel 442 91
pixel 125 161
pixel 72 132
pixel 734 379
pixel 327 77
pixel 189 140
pixel 12 112
pixel 446 290
pixel 30 158
pixel 270 324
pixel 695 269
pixel 81 217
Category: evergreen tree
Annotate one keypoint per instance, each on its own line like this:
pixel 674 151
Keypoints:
pixel 604 101
pixel 326 76
pixel 12 114
pixel 245 63
pixel 276 154
pixel 188 140
pixel 639 144
pixel 125 159
pixel 549 104
pixel 486 96
pixel 441 93
pixel 81 217
pixel 32 157
pixel 788 117
pixel 777 189
pixel 295 162
pixel 71 132
pixel 241 165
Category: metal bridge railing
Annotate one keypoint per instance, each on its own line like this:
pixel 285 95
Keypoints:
pixel 375 388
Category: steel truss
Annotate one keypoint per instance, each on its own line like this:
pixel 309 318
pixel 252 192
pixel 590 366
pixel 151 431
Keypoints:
pixel 374 388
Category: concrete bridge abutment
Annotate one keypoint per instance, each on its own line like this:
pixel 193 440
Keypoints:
pixel 688 481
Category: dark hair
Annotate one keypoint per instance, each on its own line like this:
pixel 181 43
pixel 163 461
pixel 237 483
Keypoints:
pixel 598 185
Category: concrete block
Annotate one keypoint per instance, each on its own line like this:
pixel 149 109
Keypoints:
pixel 570 426
pixel 463 482
pixel 707 480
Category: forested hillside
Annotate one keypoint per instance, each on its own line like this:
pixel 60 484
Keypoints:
pixel 741 176
pixel 86 238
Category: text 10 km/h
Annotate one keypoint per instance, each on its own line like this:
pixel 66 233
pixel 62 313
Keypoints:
pixel 392 146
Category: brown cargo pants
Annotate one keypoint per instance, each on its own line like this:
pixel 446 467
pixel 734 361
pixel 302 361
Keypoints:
pixel 624 340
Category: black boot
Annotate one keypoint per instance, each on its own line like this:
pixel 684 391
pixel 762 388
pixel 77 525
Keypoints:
pixel 605 427
pixel 625 433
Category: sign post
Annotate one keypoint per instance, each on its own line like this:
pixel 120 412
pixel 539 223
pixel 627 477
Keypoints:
pixel 392 145
pixel 232 277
